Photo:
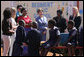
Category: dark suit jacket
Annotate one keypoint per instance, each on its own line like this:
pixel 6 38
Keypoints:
pixel 60 23
pixel 20 35
pixel 33 40
pixel 77 20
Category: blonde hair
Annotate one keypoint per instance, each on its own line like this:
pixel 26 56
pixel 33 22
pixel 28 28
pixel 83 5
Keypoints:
pixel 77 11
pixel 13 9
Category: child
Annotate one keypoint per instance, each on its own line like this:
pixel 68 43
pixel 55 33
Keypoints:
pixel 54 37
pixel 71 43
pixel 33 40
pixel 20 36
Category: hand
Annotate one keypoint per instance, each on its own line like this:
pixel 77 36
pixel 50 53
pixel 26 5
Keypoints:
pixel 11 31
pixel 44 32
pixel 24 44
pixel 46 28
pixel 77 42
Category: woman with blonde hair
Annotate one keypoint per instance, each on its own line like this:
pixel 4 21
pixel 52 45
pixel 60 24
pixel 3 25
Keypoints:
pixel 76 17
pixel 13 23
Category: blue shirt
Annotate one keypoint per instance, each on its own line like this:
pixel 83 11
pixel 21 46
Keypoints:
pixel 42 23
pixel 18 14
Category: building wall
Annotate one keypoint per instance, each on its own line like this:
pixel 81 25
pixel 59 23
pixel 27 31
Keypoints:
pixel 49 7
pixel 81 10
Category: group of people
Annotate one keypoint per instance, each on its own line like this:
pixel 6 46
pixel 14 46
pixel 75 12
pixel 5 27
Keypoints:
pixel 22 37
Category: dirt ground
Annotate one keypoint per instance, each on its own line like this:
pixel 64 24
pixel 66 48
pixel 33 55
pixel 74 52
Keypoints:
pixel 49 53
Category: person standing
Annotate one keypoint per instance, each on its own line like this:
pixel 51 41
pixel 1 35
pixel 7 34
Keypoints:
pixel 7 31
pixel 76 17
pixel 26 18
pixel 14 27
pixel 19 40
pixel 33 40
pixel 42 24
pixel 19 7
pixel 60 21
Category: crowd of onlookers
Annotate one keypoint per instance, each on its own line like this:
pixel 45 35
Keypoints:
pixel 22 37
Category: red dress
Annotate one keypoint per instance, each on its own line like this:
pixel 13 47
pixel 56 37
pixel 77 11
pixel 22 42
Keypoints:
pixel 26 19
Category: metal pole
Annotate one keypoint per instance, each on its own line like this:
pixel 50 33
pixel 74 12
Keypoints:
pixel 78 4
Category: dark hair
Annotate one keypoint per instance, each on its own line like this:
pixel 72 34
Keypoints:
pixel 40 9
pixel 35 24
pixel 6 25
pixel 19 6
pixel 23 9
pixel 21 22
pixel 71 22
pixel 52 22
pixel 59 11
pixel 7 13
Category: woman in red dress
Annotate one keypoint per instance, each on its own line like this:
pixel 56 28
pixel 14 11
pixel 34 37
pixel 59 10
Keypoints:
pixel 26 18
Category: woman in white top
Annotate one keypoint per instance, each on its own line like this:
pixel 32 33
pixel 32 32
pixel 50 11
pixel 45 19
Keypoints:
pixel 14 27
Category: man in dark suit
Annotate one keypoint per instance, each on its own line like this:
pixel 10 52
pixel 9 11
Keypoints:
pixel 60 21
pixel 33 40
pixel 20 37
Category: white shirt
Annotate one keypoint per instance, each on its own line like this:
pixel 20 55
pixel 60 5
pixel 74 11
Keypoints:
pixel 74 33
pixel 58 32
pixel 12 20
